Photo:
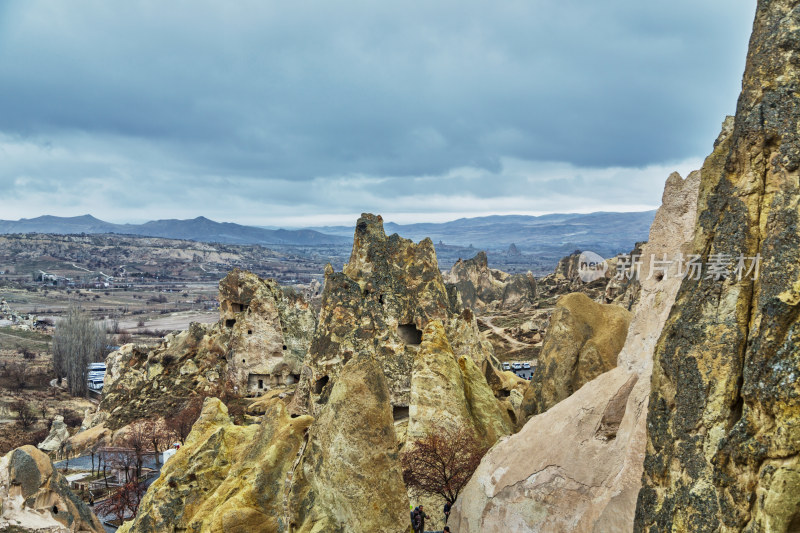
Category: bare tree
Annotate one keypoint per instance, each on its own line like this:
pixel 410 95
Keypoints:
pixel 160 436
pixel 25 414
pixel 442 462
pixel 77 341
pixel 181 424
pixel 18 374
pixel 124 502
pixel 138 440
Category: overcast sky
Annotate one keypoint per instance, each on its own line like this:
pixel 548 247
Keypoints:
pixel 304 113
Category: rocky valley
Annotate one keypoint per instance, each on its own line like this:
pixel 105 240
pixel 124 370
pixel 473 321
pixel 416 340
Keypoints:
pixel 652 391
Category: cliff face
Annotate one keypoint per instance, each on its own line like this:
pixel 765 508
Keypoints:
pixel 380 304
pixel 270 331
pixel 577 467
pixel 723 449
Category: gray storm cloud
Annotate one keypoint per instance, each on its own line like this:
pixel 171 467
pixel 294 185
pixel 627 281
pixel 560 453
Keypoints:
pixel 271 111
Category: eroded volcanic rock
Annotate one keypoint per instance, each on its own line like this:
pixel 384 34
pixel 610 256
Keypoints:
pixel 481 286
pixel 578 466
pixel 583 341
pixel 393 357
pixel 723 451
pixel 226 477
pixel 259 342
pixel 36 497
pixel 381 303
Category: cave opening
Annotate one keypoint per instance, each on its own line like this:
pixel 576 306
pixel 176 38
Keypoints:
pixel 320 384
pixel 399 412
pixel 410 334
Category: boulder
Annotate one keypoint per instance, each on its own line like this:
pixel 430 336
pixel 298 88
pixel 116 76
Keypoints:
pixel 36 497
pixel 58 434
pixel 583 341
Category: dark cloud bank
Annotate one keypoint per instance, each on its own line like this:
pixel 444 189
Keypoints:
pixel 304 113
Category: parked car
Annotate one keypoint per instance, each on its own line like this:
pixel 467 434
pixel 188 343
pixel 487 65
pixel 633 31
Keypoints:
pixel 506 366
pixel 526 365
pixel 516 366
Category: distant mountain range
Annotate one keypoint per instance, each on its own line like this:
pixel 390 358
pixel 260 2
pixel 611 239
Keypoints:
pixel 555 233
pixel 610 231
pixel 197 229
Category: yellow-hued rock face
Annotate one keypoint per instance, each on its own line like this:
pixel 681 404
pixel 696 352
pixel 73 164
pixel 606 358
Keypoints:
pixel 583 341
pixel 36 497
pixel 393 357
pixel 226 477
pixel 723 451
pixel 451 391
pixel 389 292
pixel 350 477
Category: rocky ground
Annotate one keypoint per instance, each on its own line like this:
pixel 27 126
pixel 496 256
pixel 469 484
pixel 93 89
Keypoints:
pixel 665 404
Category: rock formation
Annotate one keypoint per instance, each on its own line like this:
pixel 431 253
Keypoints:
pixel 259 342
pixel 270 331
pixel 609 288
pixel 35 497
pixel 577 467
pixel 583 341
pixel 481 286
pixel 393 356
pixel 225 477
pixel 723 450
pixel 349 478
pixel 381 302
pixel 58 434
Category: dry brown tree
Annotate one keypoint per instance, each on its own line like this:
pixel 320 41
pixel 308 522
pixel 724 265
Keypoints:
pixel 161 436
pixel 123 503
pixel 442 462
pixel 26 416
pixel 181 424
pixel 137 439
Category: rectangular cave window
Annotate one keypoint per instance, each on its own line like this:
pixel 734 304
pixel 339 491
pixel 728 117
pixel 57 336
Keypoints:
pixel 410 334
pixel 230 322
pixel 260 383
pixel 238 308
pixel 399 412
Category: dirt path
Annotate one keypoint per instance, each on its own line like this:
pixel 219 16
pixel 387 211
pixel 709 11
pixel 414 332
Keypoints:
pixel 487 320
